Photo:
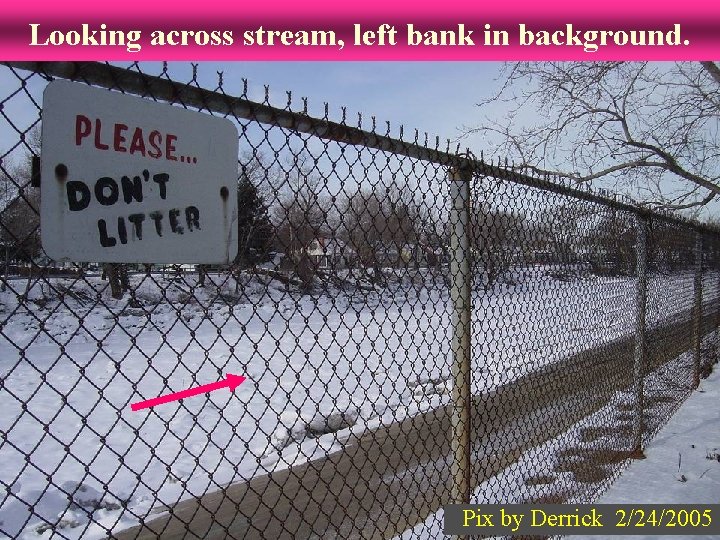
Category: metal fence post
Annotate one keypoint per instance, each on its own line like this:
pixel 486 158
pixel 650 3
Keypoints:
pixel 641 304
pixel 716 260
pixel 460 292
pixel 716 256
pixel 697 309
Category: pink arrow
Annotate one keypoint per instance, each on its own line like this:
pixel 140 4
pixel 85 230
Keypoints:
pixel 231 381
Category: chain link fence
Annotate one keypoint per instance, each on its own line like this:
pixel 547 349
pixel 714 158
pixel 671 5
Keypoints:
pixel 417 326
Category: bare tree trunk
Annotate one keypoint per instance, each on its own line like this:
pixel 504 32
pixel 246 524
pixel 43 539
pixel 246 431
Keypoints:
pixel 29 281
pixel 202 274
pixel 112 273
pixel 305 270
pixel 7 267
pixel 122 270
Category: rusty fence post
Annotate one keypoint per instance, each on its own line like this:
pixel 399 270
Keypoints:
pixel 460 292
pixel 716 260
pixel 697 308
pixel 640 310
pixel 716 257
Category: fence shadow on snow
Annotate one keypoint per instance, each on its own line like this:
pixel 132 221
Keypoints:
pixel 417 326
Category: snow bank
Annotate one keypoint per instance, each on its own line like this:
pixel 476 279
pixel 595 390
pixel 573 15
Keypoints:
pixel 294 427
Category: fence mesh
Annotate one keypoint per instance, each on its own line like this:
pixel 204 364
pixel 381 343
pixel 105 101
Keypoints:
pixel 344 309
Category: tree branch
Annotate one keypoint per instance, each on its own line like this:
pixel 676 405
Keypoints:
pixel 643 125
pixel 713 69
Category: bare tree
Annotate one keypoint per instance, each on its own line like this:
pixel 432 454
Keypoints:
pixel 117 276
pixel 20 217
pixel 300 220
pixel 299 215
pixel 20 208
pixel 494 241
pixel 670 248
pixel 612 243
pixel 639 125
pixel 386 220
pixel 363 221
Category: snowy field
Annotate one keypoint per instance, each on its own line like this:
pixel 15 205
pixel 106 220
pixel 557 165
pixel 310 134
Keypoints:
pixel 353 357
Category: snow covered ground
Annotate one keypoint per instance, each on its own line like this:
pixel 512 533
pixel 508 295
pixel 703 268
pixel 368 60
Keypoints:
pixel 682 464
pixel 352 356
pixel 683 461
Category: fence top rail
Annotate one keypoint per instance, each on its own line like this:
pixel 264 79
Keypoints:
pixel 135 82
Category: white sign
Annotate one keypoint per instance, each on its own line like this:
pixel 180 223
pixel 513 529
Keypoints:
pixel 126 179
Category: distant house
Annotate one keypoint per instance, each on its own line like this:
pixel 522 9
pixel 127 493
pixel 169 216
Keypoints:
pixel 330 253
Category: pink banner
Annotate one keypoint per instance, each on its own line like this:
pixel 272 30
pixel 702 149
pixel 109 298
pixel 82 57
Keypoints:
pixel 369 30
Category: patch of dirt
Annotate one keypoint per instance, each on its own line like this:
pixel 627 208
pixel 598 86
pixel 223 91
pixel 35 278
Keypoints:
pixel 654 401
pixel 590 474
pixel 597 456
pixel 556 497
pixel 539 480
pixel 593 433
pixel 588 465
